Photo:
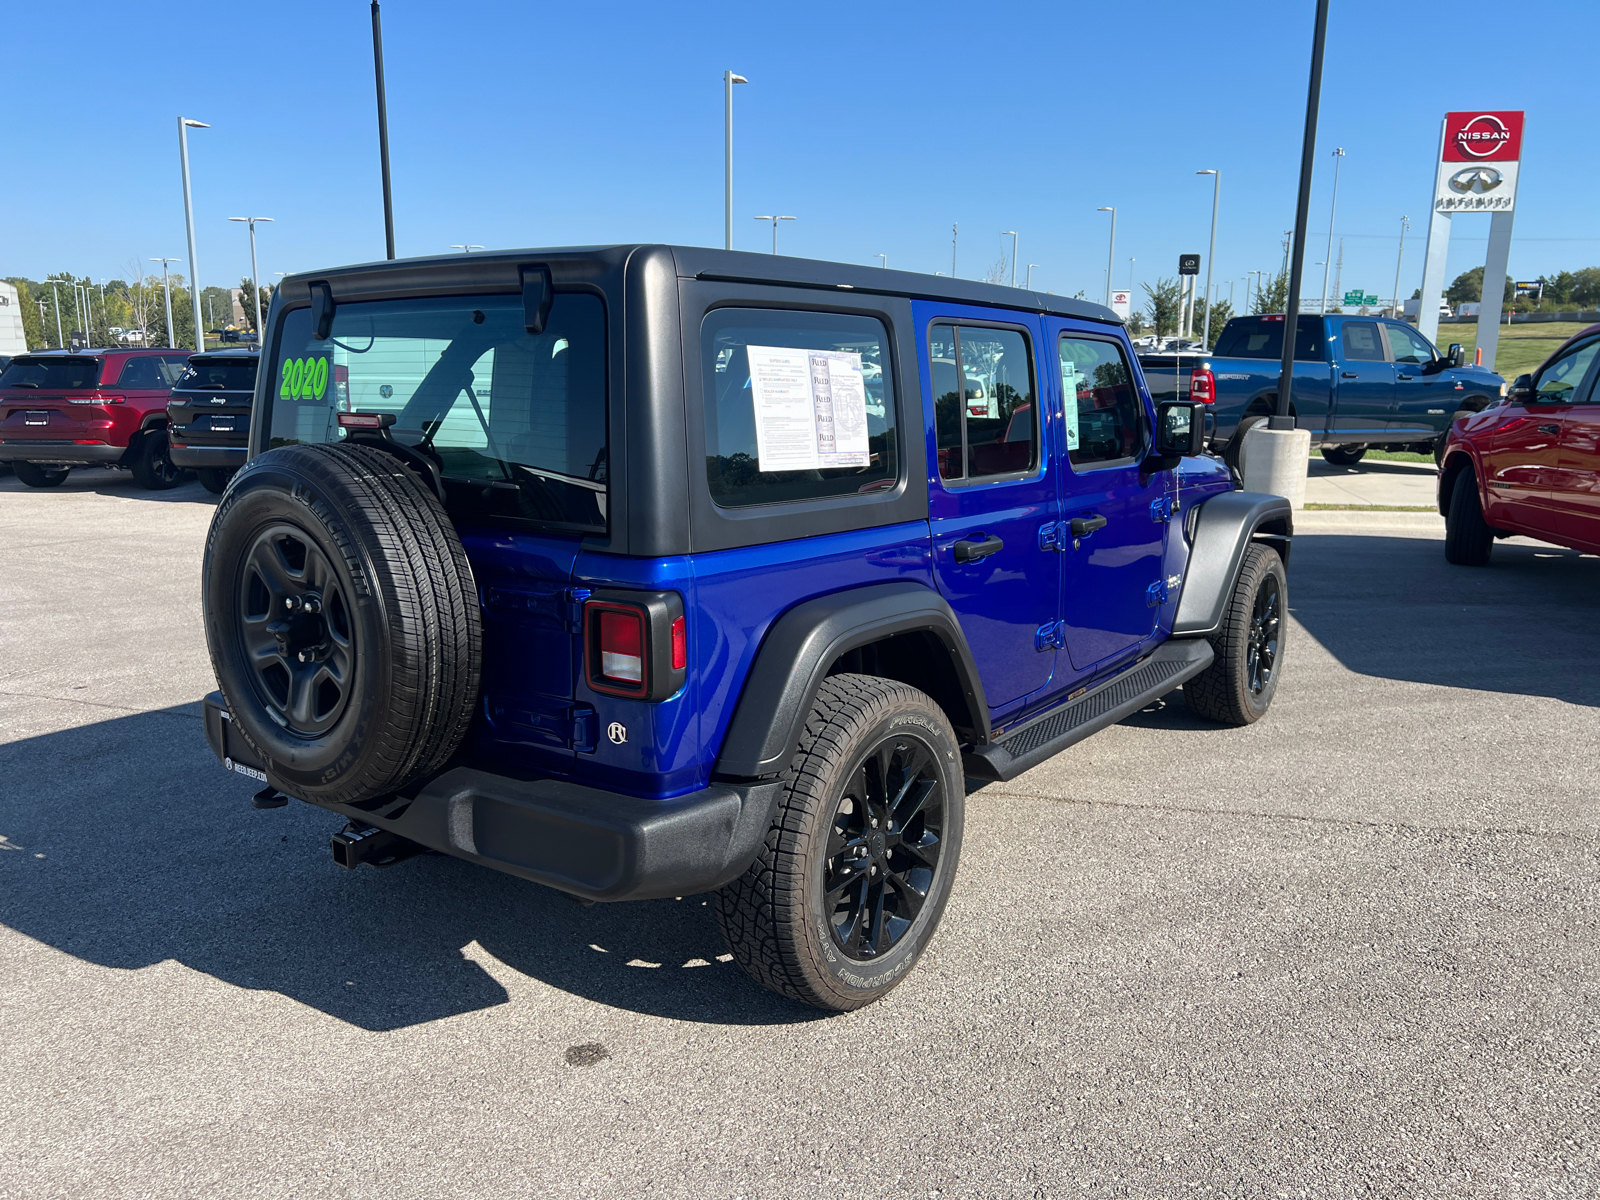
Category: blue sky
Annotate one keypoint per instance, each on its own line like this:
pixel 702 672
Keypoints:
pixel 877 125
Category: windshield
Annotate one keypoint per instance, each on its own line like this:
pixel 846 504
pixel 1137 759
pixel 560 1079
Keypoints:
pixel 518 421
pixel 1262 337
pixel 64 372
pixel 222 375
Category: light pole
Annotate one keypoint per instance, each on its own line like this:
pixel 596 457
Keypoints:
pixel 775 221
pixel 1130 276
pixel 166 290
pixel 1405 224
pixel 1333 208
pixel 955 232
pixel 383 132
pixel 728 80
pixel 184 125
pixel 1211 253
pixel 885 263
pixel 42 332
pixel 465 247
pixel 1259 291
pixel 1111 252
pixel 1012 234
pixel 55 297
pixel 1029 283
pixel 255 275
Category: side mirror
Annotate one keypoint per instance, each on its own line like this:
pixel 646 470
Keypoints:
pixel 1521 390
pixel 1180 429
pixel 321 311
pixel 1456 356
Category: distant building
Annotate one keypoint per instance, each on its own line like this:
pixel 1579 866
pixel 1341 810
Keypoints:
pixel 12 339
pixel 236 295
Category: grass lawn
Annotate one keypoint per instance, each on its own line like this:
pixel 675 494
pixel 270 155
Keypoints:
pixel 1522 347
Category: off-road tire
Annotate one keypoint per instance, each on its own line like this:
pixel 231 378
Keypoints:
pixel 1344 456
pixel 153 467
pixel 40 475
pixel 1468 539
pixel 215 479
pixel 395 570
pixel 1230 690
pixel 775 917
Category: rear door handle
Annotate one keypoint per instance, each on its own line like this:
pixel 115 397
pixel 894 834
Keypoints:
pixel 972 551
pixel 1084 526
pixel 1550 429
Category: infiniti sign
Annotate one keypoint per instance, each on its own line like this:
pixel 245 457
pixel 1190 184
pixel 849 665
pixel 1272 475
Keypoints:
pixel 1477 180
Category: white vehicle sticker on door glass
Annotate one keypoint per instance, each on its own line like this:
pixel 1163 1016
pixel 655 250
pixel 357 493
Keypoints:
pixel 810 408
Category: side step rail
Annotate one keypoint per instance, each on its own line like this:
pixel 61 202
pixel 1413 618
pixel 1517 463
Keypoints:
pixel 1114 700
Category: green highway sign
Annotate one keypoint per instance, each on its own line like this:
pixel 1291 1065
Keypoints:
pixel 1359 299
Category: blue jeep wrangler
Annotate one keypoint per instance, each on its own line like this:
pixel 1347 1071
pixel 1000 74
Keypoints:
pixel 646 571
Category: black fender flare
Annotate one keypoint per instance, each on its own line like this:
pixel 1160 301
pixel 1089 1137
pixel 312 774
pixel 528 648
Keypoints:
pixel 806 641
pixel 1224 527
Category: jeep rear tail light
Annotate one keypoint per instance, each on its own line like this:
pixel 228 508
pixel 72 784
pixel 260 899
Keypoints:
pixel 1203 385
pixel 635 644
pixel 341 386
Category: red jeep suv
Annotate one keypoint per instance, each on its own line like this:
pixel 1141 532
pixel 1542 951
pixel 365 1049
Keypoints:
pixel 62 409
pixel 1529 465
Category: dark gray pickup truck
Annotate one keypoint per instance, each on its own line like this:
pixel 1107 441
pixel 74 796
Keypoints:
pixel 1360 382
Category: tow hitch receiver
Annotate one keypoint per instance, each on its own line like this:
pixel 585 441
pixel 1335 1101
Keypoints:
pixel 357 843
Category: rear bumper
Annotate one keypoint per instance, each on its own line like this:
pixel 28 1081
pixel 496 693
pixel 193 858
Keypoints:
pixel 592 843
pixel 60 452
pixel 184 454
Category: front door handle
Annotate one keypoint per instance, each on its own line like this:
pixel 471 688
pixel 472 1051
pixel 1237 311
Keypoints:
pixel 1084 526
pixel 972 551
pixel 1408 377
pixel 1550 429
pixel 1350 374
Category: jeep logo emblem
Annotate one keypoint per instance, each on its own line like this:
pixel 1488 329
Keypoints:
pixel 617 732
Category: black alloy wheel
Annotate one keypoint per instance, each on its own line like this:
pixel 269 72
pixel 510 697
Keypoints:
pixel 297 631
pixel 153 467
pixel 884 847
pixel 1266 620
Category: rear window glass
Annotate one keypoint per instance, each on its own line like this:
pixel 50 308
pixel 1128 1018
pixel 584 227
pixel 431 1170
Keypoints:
pixel 236 375
pixel 73 372
pixel 516 422
pixel 1262 337
pixel 798 406
pixel 155 372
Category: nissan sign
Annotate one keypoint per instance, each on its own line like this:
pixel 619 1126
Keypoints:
pixel 1479 155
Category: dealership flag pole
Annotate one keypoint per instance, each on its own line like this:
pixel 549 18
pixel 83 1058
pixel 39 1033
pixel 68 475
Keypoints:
pixel 1308 150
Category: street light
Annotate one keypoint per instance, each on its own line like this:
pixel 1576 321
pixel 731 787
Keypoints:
pixel 775 221
pixel 1012 234
pixel 1131 261
pixel 465 247
pixel 885 263
pixel 1029 283
pixel 728 80
pixel 166 289
pixel 255 272
pixel 1211 254
pixel 1405 224
pixel 55 296
pixel 184 125
pixel 1111 252
pixel 1327 259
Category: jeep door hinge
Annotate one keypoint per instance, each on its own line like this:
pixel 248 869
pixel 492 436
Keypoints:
pixel 575 598
pixel 1156 594
pixel 1052 635
pixel 1161 510
pixel 585 727
pixel 1050 534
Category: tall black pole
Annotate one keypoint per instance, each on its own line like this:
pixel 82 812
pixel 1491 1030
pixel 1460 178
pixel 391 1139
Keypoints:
pixel 383 127
pixel 1308 154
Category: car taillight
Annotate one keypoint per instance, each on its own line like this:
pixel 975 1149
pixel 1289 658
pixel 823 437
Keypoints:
pixel 635 644
pixel 341 387
pixel 1203 385
pixel 95 399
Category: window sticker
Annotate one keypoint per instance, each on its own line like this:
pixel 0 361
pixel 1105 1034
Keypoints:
pixel 1069 389
pixel 810 408
pixel 303 379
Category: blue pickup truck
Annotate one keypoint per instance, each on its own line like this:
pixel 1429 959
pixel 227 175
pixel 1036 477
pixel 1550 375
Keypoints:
pixel 1360 383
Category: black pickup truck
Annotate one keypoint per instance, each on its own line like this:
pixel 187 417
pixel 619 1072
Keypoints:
pixel 1360 382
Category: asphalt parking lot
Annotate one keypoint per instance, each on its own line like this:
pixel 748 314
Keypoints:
pixel 1349 951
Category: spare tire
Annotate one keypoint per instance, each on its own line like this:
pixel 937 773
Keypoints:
pixel 342 620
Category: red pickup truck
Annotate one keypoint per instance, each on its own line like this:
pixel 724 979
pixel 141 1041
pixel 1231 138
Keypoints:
pixel 61 409
pixel 1529 465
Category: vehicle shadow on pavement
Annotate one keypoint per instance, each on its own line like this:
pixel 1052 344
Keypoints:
pixel 114 483
pixel 125 844
pixel 1391 607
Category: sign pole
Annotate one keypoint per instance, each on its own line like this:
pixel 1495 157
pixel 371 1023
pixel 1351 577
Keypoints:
pixel 1494 274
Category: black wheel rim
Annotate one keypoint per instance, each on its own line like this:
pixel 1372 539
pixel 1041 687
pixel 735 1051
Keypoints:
pixel 299 640
pixel 161 463
pixel 883 848
pixel 1266 621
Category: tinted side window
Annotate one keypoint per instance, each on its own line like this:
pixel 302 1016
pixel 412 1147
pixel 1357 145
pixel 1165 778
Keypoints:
pixel 798 406
pixel 985 415
pixel 152 372
pixel 1559 382
pixel 1361 342
pixel 1105 417
pixel 1262 337
pixel 1408 347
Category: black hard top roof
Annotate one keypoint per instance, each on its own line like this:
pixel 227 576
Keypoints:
pixel 692 262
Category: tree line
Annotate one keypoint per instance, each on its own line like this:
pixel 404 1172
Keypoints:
pixel 61 304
